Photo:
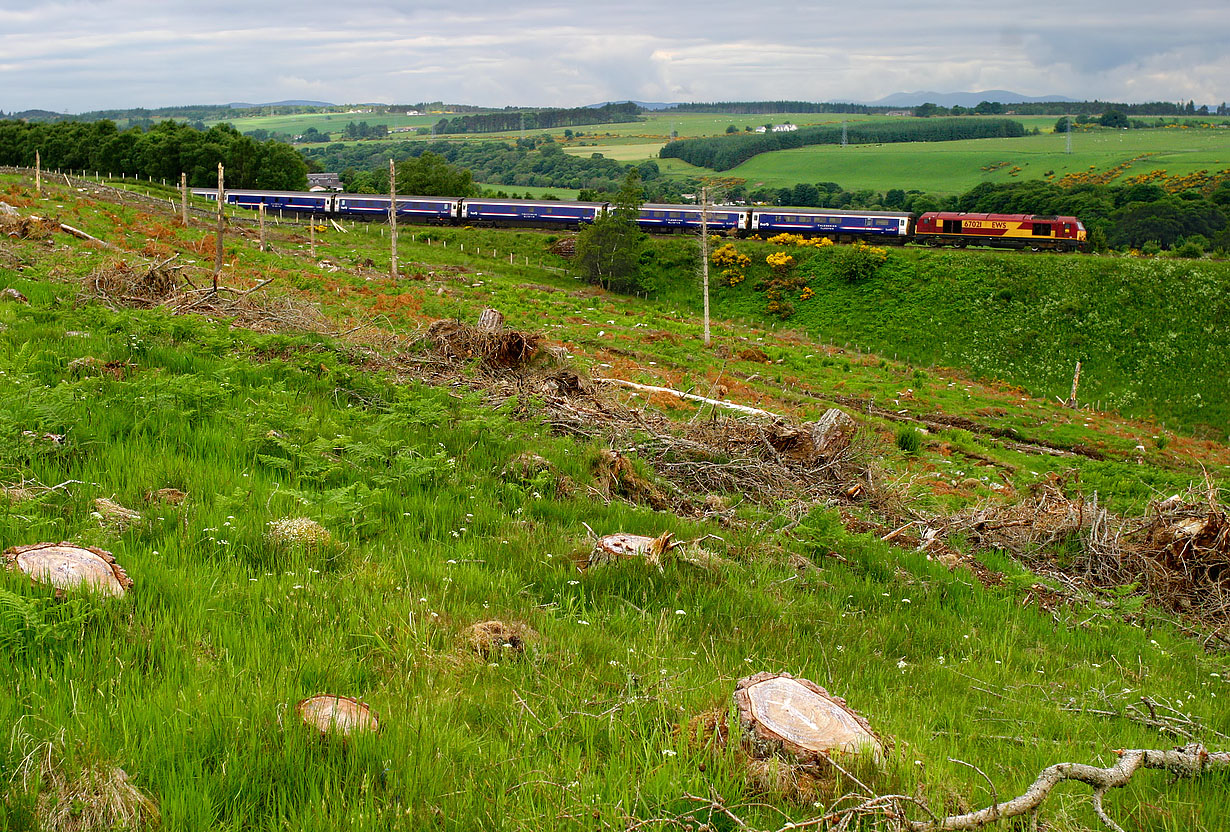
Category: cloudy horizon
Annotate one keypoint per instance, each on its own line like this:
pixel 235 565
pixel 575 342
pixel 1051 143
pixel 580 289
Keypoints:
pixel 120 54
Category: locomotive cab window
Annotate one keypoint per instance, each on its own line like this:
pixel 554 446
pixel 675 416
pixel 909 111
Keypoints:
pixel 1042 229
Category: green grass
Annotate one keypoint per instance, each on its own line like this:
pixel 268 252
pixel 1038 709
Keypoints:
pixel 189 683
pixel 955 167
pixel 1146 331
pixel 328 122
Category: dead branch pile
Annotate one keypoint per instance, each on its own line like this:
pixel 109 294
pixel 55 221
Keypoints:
pixel 565 247
pixel 120 283
pixel 1177 553
pixel 499 349
pixel 15 225
pixel 165 284
pixel 761 460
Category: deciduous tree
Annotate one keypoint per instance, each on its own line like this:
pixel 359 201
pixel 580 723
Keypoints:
pixel 609 249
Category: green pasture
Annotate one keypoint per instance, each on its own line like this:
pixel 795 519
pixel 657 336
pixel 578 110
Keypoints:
pixel 327 122
pixel 955 167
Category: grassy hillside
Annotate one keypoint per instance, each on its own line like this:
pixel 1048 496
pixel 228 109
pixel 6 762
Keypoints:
pixel 407 457
pixel 1149 333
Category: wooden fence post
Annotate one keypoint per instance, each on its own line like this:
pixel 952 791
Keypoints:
pixel 221 226
pixel 392 220
pixel 183 197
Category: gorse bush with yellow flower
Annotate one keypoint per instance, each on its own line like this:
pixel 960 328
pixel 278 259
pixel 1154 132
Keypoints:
pixel 779 261
pixel 727 256
pixel 787 239
pixel 732 262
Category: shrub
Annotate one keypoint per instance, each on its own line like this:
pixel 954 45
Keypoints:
pixel 909 439
pixel 858 262
pixel 1190 250
pixel 728 257
pixel 779 261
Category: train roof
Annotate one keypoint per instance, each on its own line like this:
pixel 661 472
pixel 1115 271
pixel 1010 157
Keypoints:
pixel 667 206
pixel 252 192
pixel 506 201
pixel 830 212
pixel 400 197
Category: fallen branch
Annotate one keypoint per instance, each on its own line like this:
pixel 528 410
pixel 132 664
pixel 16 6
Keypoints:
pixel 77 232
pixel 649 388
pixel 1186 761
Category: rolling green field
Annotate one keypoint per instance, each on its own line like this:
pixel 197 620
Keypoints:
pixel 319 396
pixel 941 168
pixel 327 122
pixel 955 167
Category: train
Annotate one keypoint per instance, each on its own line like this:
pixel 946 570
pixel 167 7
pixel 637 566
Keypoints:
pixel 933 228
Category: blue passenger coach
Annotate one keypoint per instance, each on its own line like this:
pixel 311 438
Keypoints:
pixel 530 212
pixel 297 201
pixel 831 222
pixel 657 217
pixel 428 208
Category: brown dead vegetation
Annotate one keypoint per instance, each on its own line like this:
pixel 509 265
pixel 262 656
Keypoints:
pixel 27 227
pixel 505 349
pixel 167 284
pixel 1177 554
pixel 93 798
pixel 496 639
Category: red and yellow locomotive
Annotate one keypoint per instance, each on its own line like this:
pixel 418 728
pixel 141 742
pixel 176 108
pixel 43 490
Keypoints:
pixel 948 228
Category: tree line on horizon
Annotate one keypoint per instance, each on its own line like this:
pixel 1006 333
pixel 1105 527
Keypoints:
pixel 161 152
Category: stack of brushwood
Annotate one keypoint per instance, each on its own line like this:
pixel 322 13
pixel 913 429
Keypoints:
pixel 488 341
pixel 167 284
pixel 1177 554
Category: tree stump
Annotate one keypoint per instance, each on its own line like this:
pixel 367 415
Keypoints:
pixel 68 566
pixel 491 320
pixel 622 546
pixel 345 715
pixel 819 441
pixel 797 719
pixel 831 433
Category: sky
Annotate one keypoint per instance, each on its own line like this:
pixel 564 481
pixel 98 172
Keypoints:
pixel 117 54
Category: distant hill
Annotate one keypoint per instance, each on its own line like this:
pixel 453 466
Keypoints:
pixel 239 105
pixel 36 115
pixel 644 105
pixel 961 99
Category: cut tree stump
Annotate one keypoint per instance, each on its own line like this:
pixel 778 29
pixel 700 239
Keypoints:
pixel 819 441
pixel 831 433
pixel 616 547
pixel 491 320
pixel 68 566
pixel 345 715
pixel 797 719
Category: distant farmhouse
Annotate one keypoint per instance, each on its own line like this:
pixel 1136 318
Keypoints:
pixel 324 182
pixel 779 128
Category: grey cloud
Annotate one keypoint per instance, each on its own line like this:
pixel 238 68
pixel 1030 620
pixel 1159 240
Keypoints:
pixel 122 53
